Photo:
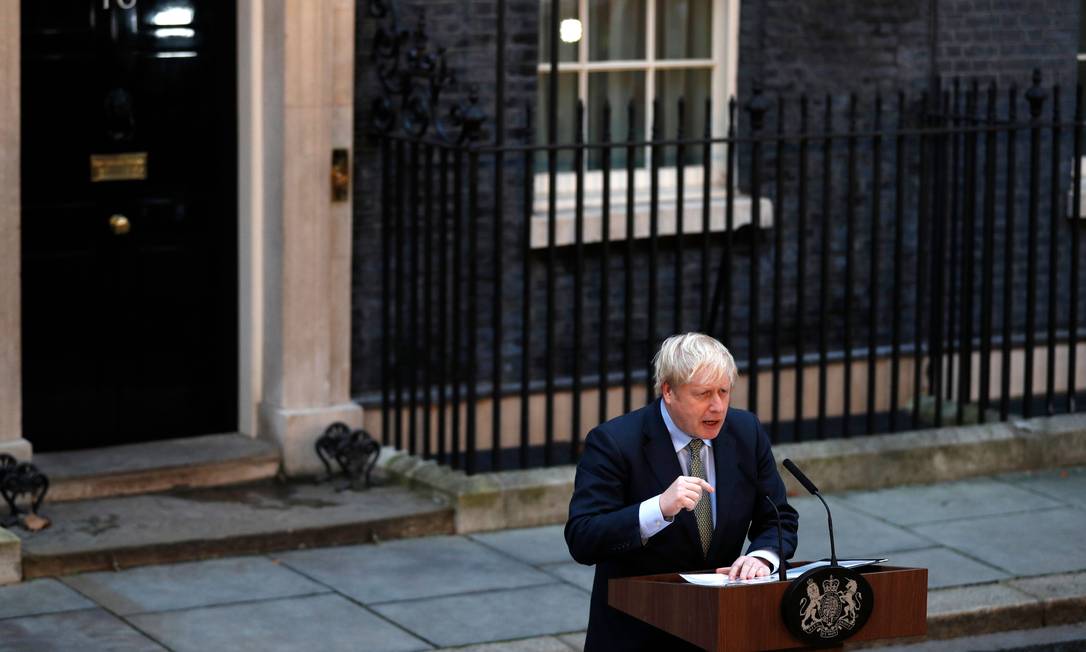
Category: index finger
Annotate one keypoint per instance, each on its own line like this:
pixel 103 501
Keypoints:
pixel 703 484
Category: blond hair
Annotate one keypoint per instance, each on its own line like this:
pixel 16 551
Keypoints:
pixel 682 356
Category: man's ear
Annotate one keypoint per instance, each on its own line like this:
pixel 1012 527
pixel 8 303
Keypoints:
pixel 665 392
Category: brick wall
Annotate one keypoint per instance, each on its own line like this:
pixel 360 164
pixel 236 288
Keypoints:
pixel 791 48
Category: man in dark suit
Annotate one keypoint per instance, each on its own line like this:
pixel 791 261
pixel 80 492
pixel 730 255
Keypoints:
pixel 676 486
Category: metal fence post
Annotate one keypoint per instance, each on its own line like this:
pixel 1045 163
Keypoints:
pixel 1036 97
pixel 758 106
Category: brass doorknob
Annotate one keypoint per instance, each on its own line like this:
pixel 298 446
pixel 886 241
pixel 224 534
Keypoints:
pixel 119 224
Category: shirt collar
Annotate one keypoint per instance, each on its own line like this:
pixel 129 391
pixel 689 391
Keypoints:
pixel 679 439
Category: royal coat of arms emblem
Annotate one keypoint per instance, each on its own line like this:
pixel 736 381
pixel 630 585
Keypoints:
pixel 827 605
pixel 829 610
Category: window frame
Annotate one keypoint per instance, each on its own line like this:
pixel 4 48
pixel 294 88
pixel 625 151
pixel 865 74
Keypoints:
pixel 723 62
pixel 723 66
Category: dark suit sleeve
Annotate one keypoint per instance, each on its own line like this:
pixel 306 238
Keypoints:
pixel 601 524
pixel 763 526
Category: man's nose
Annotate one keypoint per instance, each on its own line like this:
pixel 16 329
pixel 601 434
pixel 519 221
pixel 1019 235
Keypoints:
pixel 717 404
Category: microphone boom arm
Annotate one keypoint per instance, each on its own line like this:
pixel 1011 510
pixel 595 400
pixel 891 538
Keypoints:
pixel 782 575
pixel 810 487
pixel 829 520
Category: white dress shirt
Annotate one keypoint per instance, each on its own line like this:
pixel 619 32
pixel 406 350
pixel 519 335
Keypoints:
pixel 652 519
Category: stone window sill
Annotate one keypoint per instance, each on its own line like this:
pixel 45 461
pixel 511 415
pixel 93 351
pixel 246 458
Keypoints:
pixel 667 199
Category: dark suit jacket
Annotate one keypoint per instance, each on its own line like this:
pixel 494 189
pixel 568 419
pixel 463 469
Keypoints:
pixel 630 459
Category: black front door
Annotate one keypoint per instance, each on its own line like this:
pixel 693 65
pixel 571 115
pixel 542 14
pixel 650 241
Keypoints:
pixel 129 220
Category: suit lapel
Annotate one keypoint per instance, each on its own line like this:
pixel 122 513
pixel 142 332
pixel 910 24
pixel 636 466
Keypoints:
pixel 660 453
pixel 724 460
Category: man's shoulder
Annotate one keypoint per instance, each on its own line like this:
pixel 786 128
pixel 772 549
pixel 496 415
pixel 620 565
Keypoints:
pixel 737 415
pixel 635 419
pixel 628 427
pixel 741 422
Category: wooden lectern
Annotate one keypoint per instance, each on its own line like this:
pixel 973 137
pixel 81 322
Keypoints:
pixel 748 617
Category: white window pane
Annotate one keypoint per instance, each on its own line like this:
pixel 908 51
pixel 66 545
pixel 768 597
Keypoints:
pixel 616 89
pixel 684 29
pixel 566 111
pixel 617 29
pixel 567 10
pixel 693 87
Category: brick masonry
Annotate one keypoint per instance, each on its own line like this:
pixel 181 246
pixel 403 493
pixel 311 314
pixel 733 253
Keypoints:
pixel 790 49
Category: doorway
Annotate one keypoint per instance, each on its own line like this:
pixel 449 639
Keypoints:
pixel 129 221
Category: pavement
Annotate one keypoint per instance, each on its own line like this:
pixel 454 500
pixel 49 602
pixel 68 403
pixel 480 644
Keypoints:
pixel 1004 552
pixel 191 524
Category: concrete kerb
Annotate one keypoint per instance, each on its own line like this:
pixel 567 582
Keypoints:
pixel 527 498
pixel 488 501
pixel 1024 603
pixel 11 558
pixel 1063 596
pixel 938 455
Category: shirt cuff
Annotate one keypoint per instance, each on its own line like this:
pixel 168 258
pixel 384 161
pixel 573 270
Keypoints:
pixel 651 518
pixel 769 556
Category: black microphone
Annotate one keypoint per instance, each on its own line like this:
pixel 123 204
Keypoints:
pixel 809 486
pixel 782 574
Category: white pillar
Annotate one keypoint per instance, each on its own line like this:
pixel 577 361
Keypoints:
pixel 11 393
pixel 307 93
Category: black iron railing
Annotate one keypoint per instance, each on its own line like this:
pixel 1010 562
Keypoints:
pixel 884 265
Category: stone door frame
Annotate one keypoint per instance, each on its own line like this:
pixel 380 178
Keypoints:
pixel 295 104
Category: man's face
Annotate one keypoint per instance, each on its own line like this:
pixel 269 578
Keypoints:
pixel 699 406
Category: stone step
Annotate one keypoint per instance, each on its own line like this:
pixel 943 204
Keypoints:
pixel 149 467
pixel 183 525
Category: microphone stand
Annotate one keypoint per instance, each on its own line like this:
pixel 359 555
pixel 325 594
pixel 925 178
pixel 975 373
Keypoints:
pixel 829 520
pixel 813 490
pixel 782 574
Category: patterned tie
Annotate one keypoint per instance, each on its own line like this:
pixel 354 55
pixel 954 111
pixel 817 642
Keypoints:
pixel 703 511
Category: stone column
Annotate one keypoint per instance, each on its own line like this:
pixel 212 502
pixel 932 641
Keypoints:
pixel 11 393
pixel 308 99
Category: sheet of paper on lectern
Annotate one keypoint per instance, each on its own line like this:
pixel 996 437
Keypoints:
pixel 793 573
pixel 719 579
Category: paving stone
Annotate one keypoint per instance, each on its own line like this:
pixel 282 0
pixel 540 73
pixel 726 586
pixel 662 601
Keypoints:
pixel 537 545
pixel 39 597
pixel 984 608
pixel 982 596
pixel 1048 639
pixel 1033 543
pixel 537 644
pixel 192 584
pixel 325 622
pixel 947 567
pixel 1066 485
pixel 88 630
pixel 415 568
pixel 492 615
pixel 857 534
pixel 1060 585
pixel 945 502
pixel 576 574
